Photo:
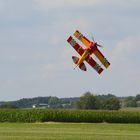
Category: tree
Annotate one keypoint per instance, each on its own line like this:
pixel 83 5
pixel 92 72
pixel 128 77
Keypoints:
pixel 53 101
pixel 130 102
pixel 106 96
pixel 111 103
pixel 137 97
pixel 8 105
pixel 87 101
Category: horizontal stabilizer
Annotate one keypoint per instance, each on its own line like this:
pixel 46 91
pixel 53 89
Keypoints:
pixel 81 66
pixel 75 59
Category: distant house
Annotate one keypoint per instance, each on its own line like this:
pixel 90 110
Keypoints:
pixel 66 105
pixel 41 105
pixel 138 103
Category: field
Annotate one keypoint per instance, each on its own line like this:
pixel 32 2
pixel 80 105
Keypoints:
pixel 65 115
pixel 69 131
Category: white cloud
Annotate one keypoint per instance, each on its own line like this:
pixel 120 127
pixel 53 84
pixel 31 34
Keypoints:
pixel 3 5
pixel 47 4
pixel 125 47
pixel 77 23
pixel 5 83
pixel 62 63
pixel 11 10
pixel 125 68
pixel 51 70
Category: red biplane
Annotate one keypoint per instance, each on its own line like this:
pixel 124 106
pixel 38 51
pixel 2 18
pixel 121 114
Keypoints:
pixel 91 48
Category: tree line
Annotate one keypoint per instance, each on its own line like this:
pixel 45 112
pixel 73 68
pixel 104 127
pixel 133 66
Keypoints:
pixel 87 101
pixel 131 101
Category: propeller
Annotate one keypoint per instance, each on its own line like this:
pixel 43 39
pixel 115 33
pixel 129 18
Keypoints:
pixel 98 45
pixel 92 38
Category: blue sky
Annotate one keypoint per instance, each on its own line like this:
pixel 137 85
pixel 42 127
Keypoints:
pixel 35 59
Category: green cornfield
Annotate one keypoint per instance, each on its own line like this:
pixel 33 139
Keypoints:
pixel 60 115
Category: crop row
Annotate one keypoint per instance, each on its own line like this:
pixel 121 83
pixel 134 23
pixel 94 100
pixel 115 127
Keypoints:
pixel 56 115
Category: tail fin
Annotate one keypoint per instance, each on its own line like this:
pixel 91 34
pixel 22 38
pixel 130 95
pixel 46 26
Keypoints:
pixel 81 66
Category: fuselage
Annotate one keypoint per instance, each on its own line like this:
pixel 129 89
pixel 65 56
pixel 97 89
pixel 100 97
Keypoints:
pixel 92 47
pixel 88 51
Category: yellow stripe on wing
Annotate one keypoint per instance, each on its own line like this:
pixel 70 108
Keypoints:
pixel 83 57
pixel 103 60
pixel 82 38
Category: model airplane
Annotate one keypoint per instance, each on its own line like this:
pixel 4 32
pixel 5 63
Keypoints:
pixel 85 54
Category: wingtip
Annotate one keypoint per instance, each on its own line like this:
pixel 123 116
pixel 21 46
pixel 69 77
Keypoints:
pixel 100 70
pixel 69 39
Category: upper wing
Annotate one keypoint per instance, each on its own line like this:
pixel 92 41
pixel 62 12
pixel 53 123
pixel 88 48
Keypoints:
pixel 101 57
pixel 97 53
pixel 82 38
pixel 89 59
